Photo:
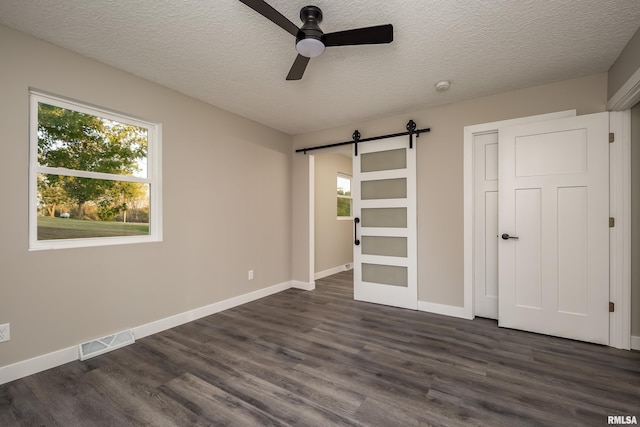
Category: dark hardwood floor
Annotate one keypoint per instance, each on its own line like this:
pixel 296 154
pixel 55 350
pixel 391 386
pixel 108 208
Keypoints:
pixel 319 359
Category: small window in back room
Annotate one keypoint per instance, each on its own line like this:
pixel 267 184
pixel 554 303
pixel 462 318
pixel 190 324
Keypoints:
pixel 344 196
pixel 94 176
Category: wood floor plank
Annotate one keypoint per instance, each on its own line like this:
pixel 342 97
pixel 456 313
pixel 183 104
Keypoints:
pixel 259 393
pixel 18 405
pixel 215 405
pixel 319 358
pixel 341 400
pixel 64 393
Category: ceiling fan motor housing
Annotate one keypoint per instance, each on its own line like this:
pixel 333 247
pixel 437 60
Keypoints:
pixel 311 16
pixel 310 38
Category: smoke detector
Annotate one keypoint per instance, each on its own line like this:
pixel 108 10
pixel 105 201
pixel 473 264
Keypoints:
pixel 443 85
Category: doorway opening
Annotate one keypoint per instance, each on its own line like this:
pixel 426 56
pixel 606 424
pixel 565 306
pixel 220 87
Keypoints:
pixel 332 224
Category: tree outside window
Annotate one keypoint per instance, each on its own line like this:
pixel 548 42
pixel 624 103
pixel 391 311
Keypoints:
pixel 344 196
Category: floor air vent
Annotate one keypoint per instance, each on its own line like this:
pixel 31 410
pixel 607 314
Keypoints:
pixel 103 345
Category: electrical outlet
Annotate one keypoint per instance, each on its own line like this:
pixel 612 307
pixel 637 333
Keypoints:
pixel 250 275
pixel 5 332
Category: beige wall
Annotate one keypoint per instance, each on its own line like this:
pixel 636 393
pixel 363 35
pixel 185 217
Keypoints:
pixel 227 208
pixel 635 220
pixel 333 237
pixel 440 172
pixel 627 63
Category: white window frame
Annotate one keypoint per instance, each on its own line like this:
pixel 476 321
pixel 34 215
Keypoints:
pixel 350 178
pixel 153 178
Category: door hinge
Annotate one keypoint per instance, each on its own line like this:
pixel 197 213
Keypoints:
pixel 612 307
pixel 612 137
pixel 612 222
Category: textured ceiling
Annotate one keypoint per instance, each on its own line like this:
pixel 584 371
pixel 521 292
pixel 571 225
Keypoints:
pixel 224 53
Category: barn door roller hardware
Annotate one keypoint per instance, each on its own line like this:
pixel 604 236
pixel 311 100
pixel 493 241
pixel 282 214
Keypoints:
pixel 356 138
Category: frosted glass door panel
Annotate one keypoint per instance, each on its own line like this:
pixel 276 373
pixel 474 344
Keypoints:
pixel 384 217
pixel 385 246
pixel 385 274
pixel 384 189
pixel 383 160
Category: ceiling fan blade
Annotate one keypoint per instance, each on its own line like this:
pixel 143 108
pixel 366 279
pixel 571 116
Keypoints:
pixel 368 35
pixel 273 15
pixel 298 67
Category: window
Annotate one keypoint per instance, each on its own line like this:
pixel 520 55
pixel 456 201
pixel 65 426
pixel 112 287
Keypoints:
pixel 344 196
pixel 94 176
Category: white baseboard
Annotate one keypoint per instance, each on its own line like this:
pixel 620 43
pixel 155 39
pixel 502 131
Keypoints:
pixel 38 364
pixel 60 357
pixel 447 310
pixel 297 284
pixel 334 270
pixel 635 343
pixel 197 313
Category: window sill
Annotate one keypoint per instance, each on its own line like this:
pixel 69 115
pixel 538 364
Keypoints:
pixel 44 245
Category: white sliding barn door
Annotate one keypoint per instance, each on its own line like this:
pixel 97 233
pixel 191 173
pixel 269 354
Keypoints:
pixel 384 210
pixel 553 223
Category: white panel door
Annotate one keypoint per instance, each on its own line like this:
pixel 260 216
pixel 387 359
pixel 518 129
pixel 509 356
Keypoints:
pixel 384 210
pixel 553 223
pixel 485 244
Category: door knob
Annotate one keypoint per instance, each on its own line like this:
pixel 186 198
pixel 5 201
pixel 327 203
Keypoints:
pixel 505 236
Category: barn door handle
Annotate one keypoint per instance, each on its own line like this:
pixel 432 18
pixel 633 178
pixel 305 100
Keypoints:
pixel 505 236
pixel 355 231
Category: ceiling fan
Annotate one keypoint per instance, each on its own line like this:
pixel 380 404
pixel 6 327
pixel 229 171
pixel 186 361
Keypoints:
pixel 311 41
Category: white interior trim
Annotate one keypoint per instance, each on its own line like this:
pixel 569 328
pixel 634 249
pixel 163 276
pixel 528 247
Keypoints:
pixel 37 364
pixel 312 217
pixel 627 96
pixel 297 284
pixel 207 310
pixel 469 132
pixel 635 343
pixel 331 271
pixel 69 354
pixel 620 235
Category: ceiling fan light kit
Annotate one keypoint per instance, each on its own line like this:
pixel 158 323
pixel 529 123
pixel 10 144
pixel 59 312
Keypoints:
pixel 310 47
pixel 311 41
